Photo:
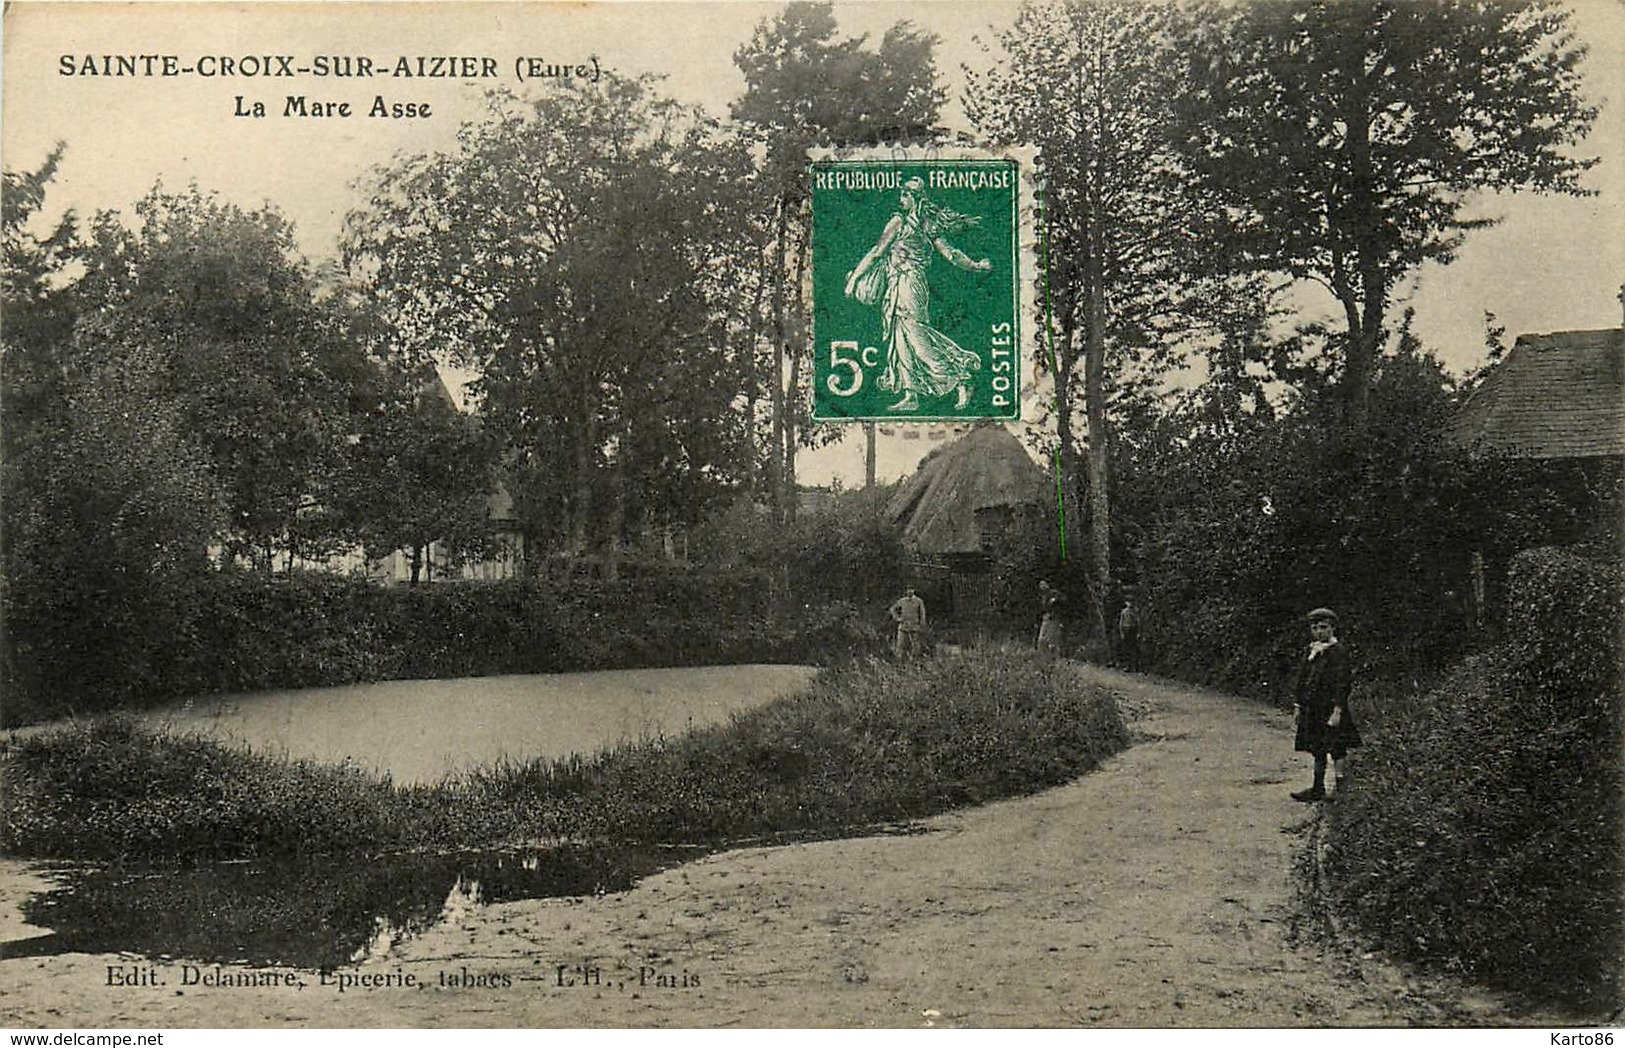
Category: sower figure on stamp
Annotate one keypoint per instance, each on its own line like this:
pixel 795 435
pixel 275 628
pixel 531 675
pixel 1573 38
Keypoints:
pixel 1325 726
pixel 908 611
pixel 1049 618
pixel 920 360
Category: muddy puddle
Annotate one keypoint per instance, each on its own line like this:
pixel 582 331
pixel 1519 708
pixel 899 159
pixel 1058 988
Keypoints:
pixel 315 913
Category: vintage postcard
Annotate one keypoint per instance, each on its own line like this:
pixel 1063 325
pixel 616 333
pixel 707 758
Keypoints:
pixel 902 514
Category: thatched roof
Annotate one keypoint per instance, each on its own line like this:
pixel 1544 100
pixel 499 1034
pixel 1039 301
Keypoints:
pixel 984 469
pixel 1554 396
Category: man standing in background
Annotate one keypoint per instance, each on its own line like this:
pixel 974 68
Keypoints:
pixel 1049 618
pixel 1128 635
pixel 908 611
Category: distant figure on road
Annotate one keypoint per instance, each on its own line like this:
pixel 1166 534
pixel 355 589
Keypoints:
pixel 1325 726
pixel 908 611
pixel 1049 618
pixel 1128 635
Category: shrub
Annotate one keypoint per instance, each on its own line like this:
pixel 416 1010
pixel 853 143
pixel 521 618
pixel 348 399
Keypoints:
pixel 845 552
pixel 1564 613
pixel 1482 832
pixel 874 742
pixel 111 788
pixel 1235 526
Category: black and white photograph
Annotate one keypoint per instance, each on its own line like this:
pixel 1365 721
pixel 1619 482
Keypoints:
pixel 433 598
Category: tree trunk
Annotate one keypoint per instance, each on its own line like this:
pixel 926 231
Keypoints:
pixel 781 227
pixel 1365 337
pixel 417 564
pixel 582 501
pixel 1094 365
pixel 793 386
pixel 792 501
pixel 1365 345
pixel 1100 517
pixel 617 524
pixel 1066 439
pixel 752 390
pixel 869 455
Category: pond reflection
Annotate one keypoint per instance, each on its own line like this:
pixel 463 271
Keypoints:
pixel 318 912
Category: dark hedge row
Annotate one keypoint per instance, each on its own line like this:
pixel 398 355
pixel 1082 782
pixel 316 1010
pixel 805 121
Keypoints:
pixel 1482 831
pixel 237 631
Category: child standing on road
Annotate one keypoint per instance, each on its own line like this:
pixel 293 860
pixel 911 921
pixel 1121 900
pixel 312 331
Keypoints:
pixel 1325 727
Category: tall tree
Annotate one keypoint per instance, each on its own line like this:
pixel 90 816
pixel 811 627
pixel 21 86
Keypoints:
pixel 566 252
pixel 1348 139
pixel 108 504
pixel 1091 83
pixel 38 304
pixel 804 87
pixel 260 372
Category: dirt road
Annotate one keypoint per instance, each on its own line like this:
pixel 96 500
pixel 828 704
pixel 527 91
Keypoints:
pixel 1152 892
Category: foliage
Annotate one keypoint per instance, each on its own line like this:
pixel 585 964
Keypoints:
pixel 111 518
pixel 1564 613
pixel 1093 85
pixel 1345 139
pixel 260 375
pixel 109 505
pixel 847 552
pixel 38 314
pixel 804 86
pixel 1482 830
pixel 420 472
pixel 867 743
pixel 563 252
pixel 113 789
pixel 1235 524
pixel 31 260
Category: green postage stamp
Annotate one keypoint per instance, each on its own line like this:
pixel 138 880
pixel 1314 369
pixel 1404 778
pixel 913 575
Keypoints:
pixel 921 266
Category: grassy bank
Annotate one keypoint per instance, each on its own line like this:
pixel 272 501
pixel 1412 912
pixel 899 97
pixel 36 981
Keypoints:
pixel 868 742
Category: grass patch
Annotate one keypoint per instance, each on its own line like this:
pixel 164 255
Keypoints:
pixel 868 742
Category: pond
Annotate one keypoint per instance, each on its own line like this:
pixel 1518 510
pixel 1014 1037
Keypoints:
pixel 418 732
pixel 323 911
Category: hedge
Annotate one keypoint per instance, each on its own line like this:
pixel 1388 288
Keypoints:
pixel 237 631
pixel 1482 829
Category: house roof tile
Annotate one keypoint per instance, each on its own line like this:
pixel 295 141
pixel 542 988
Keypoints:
pixel 1560 395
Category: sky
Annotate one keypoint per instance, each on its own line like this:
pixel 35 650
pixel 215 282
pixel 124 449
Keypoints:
pixel 1553 263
